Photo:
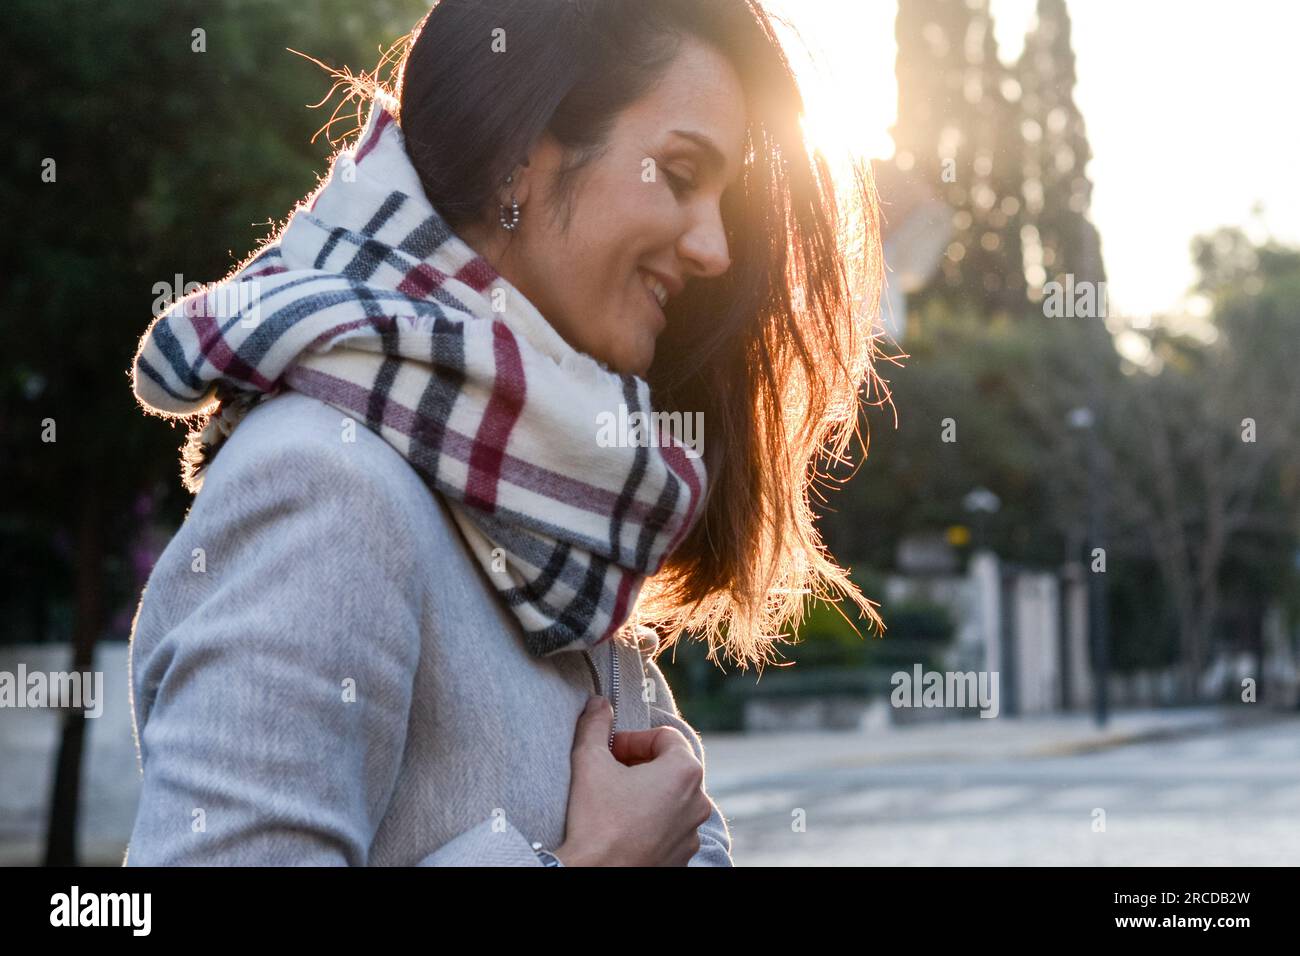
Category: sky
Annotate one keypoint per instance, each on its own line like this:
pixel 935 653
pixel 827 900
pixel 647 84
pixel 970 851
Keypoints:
pixel 1185 101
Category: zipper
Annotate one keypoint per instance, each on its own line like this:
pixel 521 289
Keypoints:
pixel 595 677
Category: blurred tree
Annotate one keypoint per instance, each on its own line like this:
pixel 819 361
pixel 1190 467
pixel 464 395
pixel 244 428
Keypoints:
pixel 1008 389
pixel 960 135
pixel 1199 460
pixel 1057 192
pixel 1203 439
pixel 149 140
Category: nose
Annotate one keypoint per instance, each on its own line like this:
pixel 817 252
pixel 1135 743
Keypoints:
pixel 704 245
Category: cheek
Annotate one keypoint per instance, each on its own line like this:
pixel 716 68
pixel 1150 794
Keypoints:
pixel 634 227
pixel 618 225
pixel 633 217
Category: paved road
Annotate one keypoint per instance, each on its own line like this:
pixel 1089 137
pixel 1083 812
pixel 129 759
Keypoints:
pixel 1227 797
pixel 974 791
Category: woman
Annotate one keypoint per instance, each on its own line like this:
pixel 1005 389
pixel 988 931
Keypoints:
pixel 360 646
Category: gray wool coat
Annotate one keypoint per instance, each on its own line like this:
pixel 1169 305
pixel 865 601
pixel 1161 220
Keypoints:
pixel 321 673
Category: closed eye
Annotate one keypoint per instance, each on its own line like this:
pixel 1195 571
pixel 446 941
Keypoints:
pixel 679 184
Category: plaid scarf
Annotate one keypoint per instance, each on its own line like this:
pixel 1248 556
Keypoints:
pixel 369 302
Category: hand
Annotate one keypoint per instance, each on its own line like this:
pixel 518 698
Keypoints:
pixel 638 805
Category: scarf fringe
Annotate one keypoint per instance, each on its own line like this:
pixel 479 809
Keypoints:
pixel 207 437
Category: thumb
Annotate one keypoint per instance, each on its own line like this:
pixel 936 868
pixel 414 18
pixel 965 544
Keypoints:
pixel 594 725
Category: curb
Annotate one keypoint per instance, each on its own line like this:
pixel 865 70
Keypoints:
pixel 1154 734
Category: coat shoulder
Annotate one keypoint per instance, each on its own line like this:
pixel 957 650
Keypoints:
pixel 296 440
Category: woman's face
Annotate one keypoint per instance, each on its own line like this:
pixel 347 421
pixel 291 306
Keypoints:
pixel 646 211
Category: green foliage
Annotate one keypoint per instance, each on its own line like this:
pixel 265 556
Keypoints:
pixel 1217 509
pixel 167 161
pixel 1148 639
pixel 1174 466
pixel 915 630
pixel 1008 387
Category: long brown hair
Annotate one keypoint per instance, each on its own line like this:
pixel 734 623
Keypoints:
pixel 779 369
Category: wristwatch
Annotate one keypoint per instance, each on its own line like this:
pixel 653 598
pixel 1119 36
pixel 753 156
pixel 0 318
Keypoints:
pixel 546 856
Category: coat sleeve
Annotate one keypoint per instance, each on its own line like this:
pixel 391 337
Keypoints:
pixel 270 709
pixel 715 837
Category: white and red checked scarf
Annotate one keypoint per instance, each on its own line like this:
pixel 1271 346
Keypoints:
pixel 368 301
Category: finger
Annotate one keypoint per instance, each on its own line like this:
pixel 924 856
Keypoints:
pixel 593 725
pixel 684 849
pixel 631 761
pixel 642 746
pixel 634 746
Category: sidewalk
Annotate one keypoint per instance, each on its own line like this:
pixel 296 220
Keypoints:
pixel 735 760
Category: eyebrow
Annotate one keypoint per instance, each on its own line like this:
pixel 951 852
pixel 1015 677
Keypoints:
pixel 713 154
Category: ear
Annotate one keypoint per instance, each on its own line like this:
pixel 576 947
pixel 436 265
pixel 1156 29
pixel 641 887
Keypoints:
pixel 517 185
pixel 542 158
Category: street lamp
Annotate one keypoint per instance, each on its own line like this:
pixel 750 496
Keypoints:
pixel 1084 419
pixel 981 502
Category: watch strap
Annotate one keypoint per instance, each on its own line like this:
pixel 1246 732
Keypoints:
pixel 546 856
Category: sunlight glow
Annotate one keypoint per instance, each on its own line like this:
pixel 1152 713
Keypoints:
pixel 1184 146
pixel 843 57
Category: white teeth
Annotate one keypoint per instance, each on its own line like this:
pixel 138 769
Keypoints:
pixel 657 287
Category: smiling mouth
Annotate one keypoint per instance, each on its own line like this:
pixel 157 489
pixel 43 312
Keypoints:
pixel 658 296
pixel 657 288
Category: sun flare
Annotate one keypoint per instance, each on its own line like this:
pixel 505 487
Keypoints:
pixel 843 58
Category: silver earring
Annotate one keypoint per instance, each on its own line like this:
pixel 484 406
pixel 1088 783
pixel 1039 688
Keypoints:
pixel 513 222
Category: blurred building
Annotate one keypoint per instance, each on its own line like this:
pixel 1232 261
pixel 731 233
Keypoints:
pixel 915 228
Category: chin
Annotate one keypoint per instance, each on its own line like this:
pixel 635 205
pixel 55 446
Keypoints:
pixel 637 364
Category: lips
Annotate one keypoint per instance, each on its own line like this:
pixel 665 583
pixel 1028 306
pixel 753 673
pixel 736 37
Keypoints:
pixel 657 288
pixel 662 319
pixel 657 293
